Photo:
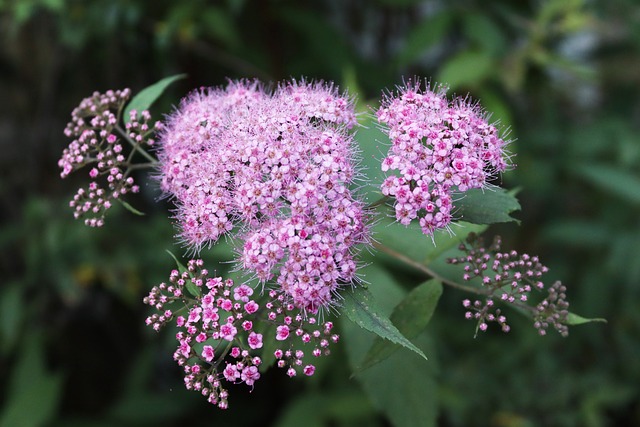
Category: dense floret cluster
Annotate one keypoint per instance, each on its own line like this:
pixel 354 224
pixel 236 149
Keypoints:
pixel 278 166
pixel 437 147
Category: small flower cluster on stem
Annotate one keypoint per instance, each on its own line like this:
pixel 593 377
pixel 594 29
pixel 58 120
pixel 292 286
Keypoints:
pixel 510 278
pixel 98 142
pixel 437 147
pixel 219 340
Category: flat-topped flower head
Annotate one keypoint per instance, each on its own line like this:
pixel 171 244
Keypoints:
pixel 279 165
pixel 437 147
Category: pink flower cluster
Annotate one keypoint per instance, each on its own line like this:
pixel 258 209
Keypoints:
pixel 438 147
pixel 278 165
pixel 510 278
pixel 93 127
pixel 218 340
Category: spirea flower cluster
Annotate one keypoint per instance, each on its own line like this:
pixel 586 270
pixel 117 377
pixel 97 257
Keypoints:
pixel 278 167
pixel 219 331
pixel 510 278
pixel 94 128
pixel 438 147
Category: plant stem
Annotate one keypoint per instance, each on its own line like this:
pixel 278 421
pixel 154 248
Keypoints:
pixel 423 268
pixel 135 145
pixel 141 166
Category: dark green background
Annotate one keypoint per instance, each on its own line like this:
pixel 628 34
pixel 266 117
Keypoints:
pixel 564 75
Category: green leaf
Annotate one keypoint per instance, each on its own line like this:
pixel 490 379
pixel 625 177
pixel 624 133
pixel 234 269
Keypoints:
pixel 143 408
pixel 270 344
pixel 11 314
pixel 34 393
pixel 424 35
pixel 411 316
pixel 181 267
pixel 361 308
pixel 373 143
pixel 466 69
pixel 574 319
pixel 485 32
pixel 424 249
pixel 220 25
pixel 131 208
pixel 486 206
pixel 614 181
pixel 147 96
pixel 403 387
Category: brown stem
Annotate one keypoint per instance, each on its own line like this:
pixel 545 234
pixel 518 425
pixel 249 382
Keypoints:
pixel 423 268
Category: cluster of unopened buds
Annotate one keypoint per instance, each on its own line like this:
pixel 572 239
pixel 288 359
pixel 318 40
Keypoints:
pixel 94 127
pixel 510 278
pixel 219 331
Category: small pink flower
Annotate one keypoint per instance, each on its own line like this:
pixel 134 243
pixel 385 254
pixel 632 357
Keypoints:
pixel 231 373
pixel 309 370
pixel 228 332
pixel 251 307
pixel 255 340
pixel 247 325
pixel 282 332
pixel 250 375
pixel 207 353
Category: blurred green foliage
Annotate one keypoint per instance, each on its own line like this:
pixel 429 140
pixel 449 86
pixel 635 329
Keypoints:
pixel 561 74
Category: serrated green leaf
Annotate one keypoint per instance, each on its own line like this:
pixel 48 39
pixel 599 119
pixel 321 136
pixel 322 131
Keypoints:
pixel 147 96
pixel 411 316
pixel 360 307
pixel 574 319
pixel 485 206
pixel 130 208
pixel 466 69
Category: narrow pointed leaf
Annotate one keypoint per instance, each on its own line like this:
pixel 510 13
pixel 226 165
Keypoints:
pixel 402 386
pixel 411 316
pixel 361 309
pixel 574 319
pixel 193 289
pixel 147 96
pixel 131 209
